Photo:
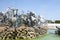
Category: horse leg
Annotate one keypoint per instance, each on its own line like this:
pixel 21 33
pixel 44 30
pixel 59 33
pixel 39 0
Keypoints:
pixel 31 23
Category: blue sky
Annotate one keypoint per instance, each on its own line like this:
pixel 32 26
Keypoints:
pixel 50 9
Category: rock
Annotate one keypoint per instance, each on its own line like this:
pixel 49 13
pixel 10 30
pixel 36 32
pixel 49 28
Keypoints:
pixel 22 32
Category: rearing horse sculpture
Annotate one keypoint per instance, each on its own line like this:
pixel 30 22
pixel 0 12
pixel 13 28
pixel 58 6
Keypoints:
pixel 32 19
pixel 42 21
pixel 12 16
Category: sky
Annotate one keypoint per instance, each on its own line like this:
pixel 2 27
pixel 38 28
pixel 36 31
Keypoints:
pixel 49 9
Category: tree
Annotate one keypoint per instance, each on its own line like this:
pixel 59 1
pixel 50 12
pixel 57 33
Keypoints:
pixel 57 21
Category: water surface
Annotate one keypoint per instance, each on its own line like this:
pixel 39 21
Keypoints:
pixel 49 36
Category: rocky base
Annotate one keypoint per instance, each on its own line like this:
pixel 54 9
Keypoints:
pixel 21 32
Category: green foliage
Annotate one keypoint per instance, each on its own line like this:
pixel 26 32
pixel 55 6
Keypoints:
pixel 57 21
